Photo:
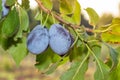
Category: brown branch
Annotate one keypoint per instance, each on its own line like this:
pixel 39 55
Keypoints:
pixel 60 18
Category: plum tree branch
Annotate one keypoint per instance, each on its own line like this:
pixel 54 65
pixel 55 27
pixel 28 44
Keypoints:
pixel 59 18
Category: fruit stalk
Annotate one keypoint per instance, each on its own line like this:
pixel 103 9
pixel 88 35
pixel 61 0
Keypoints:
pixel 57 17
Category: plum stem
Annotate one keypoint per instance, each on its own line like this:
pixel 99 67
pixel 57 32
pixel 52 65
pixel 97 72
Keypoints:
pixel 41 17
pixel 57 17
pixel 45 20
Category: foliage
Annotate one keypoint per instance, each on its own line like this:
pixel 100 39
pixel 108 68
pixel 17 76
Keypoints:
pixel 14 28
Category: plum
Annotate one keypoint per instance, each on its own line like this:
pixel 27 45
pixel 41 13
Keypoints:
pixel 60 39
pixel 5 9
pixel 38 40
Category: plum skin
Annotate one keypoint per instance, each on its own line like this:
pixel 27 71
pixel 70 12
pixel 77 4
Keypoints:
pixel 60 39
pixel 5 9
pixel 38 40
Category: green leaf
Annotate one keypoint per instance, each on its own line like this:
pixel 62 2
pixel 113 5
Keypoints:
pixel 3 40
pixel 112 33
pixel 76 14
pixel 67 6
pixel 47 4
pixel 105 71
pixel 115 74
pixel 95 51
pixel 112 37
pixel 0 5
pixel 24 22
pixel 25 4
pixel 116 21
pixel 6 42
pixel 44 59
pixel 77 51
pixel 94 18
pixel 54 66
pixel 19 51
pixel 10 24
pixel 114 56
pixel 77 70
pixel 0 9
pixel 74 18
pixel 102 70
pixel 10 2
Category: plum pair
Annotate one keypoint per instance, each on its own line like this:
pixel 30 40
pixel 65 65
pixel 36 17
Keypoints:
pixel 58 38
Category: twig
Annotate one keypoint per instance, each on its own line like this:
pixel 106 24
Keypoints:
pixel 56 16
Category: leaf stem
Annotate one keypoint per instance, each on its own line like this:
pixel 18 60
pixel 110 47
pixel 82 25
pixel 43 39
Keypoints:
pixel 95 58
pixel 83 61
pixel 76 39
pixel 106 30
pixel 87 45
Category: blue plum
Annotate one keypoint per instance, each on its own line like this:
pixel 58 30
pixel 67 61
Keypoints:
pixel 60 39
pixel 5 9
pixel 38 40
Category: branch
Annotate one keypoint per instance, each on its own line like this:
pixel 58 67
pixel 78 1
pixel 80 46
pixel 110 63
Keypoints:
pixel 57 17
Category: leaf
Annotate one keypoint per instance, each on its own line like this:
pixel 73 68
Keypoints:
pixel 19 51
pixel 116 21
pixel 44 59
pixel 105 71
pixel 25 4
pixel 112 37
pixel 67 6
pixel 54 66
pixel 0 5
pixel 94 18
pixel 10 2
pixel 74 18
pixel 97 49
pixel 114 57
pixel 47 4
pixel 6 42
pixel 101 72
pixel 24 22
pixel 77 70
pixel 115 74
pixel 112 33
pixel 0 9
pixel 76 14
pixel 77 51
pixel 3 40
pixel 10 24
